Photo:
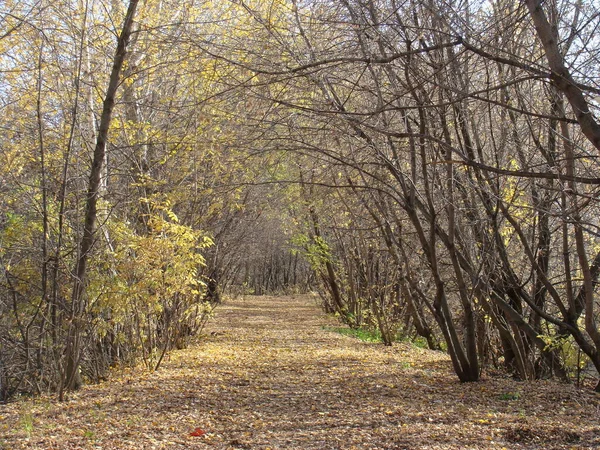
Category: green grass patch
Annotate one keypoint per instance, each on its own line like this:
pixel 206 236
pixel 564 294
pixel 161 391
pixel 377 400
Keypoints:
pixel 374 335
pixel 420 342
pixel 363 334
pixel 88 434
pixel 507 396
pixel 26 423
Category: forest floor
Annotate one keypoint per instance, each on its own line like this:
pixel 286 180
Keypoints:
pixel 269 375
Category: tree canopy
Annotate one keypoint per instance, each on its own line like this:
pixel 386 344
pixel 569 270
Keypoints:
pixel 430 168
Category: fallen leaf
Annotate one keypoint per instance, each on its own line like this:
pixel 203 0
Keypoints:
pixel 198 432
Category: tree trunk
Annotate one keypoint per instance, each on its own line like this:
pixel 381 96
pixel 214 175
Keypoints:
pixel 71 379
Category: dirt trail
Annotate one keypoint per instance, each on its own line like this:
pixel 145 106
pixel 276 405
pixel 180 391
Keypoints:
pixel 270 376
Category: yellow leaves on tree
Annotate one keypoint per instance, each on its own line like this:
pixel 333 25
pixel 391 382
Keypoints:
pixel 154 277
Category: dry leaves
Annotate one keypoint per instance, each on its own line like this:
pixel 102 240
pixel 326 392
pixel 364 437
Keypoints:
pixel 269 377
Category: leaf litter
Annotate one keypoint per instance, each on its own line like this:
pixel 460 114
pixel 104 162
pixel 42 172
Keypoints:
pixel 268 375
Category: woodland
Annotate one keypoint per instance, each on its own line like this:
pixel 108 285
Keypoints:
pixel 428 168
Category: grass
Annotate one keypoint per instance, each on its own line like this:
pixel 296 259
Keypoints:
pixel 508 396
pixel 374 335
pixel 89 434
pixel 363 334
pixel 27 423
pixel 420 342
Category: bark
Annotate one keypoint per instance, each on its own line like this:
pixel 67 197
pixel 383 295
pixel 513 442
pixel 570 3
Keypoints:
pixel 561 76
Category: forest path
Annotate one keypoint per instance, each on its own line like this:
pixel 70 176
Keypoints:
pixel 270 375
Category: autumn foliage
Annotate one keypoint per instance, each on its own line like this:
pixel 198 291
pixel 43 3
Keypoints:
pixel 428 168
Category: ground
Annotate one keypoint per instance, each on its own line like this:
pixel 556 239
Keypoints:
pixel 269 375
